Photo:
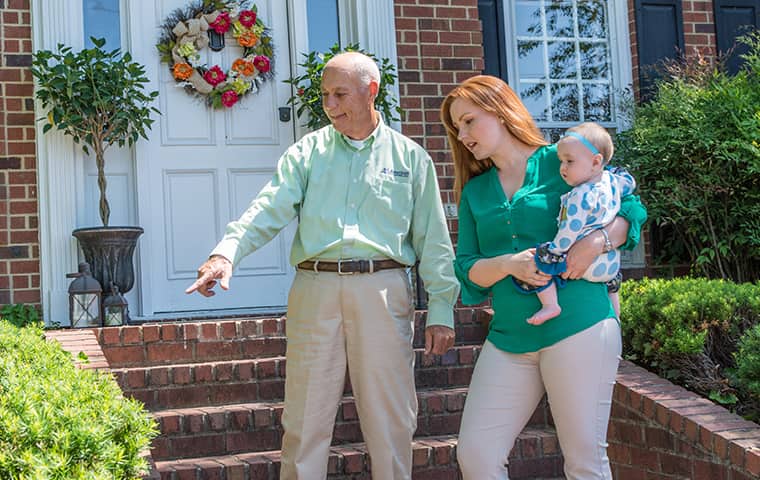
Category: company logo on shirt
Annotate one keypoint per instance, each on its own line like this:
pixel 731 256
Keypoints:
pixel 395 173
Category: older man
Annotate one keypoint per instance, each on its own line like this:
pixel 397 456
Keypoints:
pixel 368 205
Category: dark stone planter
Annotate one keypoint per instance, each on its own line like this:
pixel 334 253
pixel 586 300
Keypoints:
pixel 109 251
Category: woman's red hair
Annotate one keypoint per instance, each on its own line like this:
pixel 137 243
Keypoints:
pixel 495 96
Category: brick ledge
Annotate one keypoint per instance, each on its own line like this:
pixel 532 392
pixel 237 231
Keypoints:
pixel 660 430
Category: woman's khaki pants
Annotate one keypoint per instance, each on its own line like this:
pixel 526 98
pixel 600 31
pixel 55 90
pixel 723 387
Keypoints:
pixel 363 321
pixel 577 374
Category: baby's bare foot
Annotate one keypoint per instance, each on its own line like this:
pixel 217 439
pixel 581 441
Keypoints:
pixel 547 312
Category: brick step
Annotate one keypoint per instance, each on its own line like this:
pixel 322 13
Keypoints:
pixel 229 339
pixel 535 456
pixel 263 379
pixel 251 427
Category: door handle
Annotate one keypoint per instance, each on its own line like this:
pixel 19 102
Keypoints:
pixel 284 114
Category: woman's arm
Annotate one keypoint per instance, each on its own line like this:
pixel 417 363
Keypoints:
pixel 624 232
pixel 585 250
pixel 487 271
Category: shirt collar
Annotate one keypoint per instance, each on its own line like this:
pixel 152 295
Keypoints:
pixel 367 141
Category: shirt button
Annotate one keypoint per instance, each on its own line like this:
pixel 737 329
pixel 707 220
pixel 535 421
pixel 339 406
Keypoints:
pixel 514 236
pixel 355 180
pixel 353 205
pixel 509 222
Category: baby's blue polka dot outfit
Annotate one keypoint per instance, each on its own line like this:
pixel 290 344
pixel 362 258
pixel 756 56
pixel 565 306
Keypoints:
pixel 589 207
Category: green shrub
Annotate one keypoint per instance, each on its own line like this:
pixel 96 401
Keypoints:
pixel 61 422
pixel 695 152
pixel 20 314
pixel 747 375
pixel 687 330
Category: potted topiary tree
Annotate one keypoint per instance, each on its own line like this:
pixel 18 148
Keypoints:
pixel 97 98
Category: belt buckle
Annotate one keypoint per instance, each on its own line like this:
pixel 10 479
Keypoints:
pixel 340 271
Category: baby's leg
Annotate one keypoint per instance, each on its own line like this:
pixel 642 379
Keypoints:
pixel 550 306
pixel 615 301
pixel 612 291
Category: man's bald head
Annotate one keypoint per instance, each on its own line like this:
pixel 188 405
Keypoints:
pixel 358 64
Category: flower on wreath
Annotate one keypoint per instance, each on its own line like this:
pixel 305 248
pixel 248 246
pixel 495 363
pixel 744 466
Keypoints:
pixel 229 98
pixel 186 34
pixel 182 71
pixel 247 18
pixel 243 67
pixel 261 63
pixel 214 76
pixel 222 23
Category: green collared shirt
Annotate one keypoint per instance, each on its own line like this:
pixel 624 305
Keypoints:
pixel 379 200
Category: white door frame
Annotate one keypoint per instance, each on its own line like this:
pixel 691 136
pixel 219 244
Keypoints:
pixel 60 170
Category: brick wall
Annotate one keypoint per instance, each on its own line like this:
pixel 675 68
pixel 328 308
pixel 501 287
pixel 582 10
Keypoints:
pixel 662 431
pixel 699 28
pixel 19 234
pixel 439 45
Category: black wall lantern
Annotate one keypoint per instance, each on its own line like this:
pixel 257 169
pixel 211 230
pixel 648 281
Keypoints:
pixel 84 298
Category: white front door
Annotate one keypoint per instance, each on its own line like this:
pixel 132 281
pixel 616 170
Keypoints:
pixel 202 167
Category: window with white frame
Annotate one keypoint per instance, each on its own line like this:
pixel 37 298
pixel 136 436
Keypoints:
pixel 102 20
pixel 565 61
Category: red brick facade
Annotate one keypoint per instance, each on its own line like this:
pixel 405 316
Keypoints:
pixel 19 233
pixel 439 45
pixel 699 29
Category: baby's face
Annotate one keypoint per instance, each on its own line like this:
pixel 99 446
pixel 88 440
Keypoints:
pixel 577 164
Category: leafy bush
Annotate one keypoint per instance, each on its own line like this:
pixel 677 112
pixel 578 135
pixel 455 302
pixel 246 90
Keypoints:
pixel 20 314
pixel 61 422
pixel 687 330
pixel 747 374
pixel 695 151
pixel 308 97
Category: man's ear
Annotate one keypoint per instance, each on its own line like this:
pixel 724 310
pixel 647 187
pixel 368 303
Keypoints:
pixel 374 87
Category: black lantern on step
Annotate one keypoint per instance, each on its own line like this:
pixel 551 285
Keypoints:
pixel 115 308
pixel 84 298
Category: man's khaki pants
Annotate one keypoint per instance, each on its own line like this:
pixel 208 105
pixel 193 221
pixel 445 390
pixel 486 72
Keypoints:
pixel 364 321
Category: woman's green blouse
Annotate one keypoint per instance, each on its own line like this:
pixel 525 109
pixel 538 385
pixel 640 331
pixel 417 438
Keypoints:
pixel 491 225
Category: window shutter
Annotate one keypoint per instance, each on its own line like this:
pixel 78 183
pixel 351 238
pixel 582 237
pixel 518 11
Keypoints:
pixel 659 33
pixel 491 16
pixel 732 18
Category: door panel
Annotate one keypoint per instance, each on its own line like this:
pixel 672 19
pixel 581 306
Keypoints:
pixel 202 167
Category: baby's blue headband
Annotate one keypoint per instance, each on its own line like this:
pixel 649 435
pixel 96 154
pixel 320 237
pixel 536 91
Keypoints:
pixel 584 141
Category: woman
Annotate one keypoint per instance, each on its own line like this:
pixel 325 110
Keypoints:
pixel 509 188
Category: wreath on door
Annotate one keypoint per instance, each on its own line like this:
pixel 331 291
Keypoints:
pixel 186 33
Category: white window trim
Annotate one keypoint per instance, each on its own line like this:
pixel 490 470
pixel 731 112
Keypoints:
pixel 622 77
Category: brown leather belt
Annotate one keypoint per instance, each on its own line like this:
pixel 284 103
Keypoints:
pixel 348 267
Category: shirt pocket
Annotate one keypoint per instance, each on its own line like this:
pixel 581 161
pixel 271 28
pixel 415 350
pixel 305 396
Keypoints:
pixel 391 202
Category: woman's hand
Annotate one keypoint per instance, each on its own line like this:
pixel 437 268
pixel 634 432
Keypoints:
pixel 523 267
pixel 583 252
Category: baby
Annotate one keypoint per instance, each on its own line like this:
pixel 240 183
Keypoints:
pixel 593 203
